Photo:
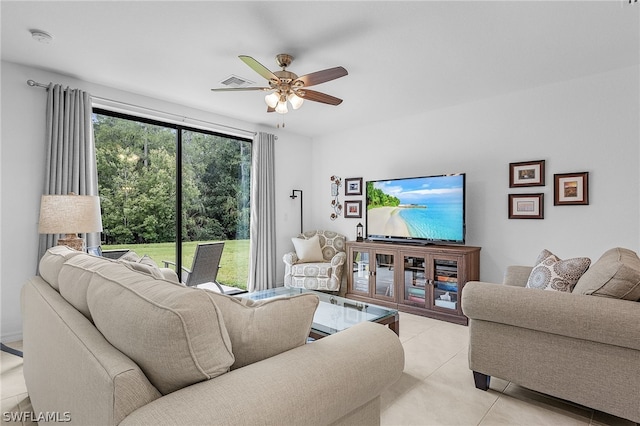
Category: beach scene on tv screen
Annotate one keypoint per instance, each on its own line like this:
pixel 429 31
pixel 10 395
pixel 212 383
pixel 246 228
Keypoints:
pixel 429 208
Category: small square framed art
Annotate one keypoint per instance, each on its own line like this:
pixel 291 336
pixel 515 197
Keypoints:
pixel 526 173
pixel 571 189
pixel 353 186
pixel 353 209
pixel 526 206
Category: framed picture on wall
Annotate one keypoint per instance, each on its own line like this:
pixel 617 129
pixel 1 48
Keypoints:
pixel 571 189
pixel 353 209
pixel 526 173
pixel 526 206
pixel 353 186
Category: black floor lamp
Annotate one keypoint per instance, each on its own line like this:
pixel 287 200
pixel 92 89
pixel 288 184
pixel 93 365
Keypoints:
pixel 293 197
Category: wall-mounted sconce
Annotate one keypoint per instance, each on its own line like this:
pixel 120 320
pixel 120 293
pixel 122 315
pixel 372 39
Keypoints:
pixel 336 183
pixel 293 196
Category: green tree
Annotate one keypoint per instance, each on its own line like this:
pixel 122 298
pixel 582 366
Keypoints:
pixel 377 198
pixel 137 178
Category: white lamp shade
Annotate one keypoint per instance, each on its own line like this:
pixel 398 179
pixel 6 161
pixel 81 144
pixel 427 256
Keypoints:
pixel 272 99
pixel 69 214
pixel 296 101
pixel 281 108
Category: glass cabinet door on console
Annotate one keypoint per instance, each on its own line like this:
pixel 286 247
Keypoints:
pixel 384 276
pixel 416 280
pixel 360 272
pixel 372 274
pixel 446 288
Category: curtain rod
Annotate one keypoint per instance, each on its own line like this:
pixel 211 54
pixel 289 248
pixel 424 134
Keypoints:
pixel 176 117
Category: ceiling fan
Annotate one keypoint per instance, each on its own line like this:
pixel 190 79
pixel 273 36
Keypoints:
pixel 287 86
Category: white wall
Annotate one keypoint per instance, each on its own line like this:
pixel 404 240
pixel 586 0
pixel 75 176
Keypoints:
pixel 588 124
pixel 22 158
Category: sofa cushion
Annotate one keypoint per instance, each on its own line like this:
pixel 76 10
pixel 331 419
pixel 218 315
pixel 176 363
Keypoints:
pixel 52 261
pixel 308 250
pixel 551 273
pixel 147 265
pixel 312 269
pixel 175 334
pixel 616 274
pixel 75 276
pixel 264 328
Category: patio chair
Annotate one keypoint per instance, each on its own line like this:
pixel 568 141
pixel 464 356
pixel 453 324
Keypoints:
pixel 204 269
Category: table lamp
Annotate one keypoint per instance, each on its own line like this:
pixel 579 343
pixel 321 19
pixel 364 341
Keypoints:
pixel 70 214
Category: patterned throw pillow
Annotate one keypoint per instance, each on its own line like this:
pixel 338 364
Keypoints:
pixel 551 273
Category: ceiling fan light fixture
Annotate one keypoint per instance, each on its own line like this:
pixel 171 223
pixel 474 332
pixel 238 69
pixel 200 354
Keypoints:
pixel 281 108
pixel 296 101
pixel 272 99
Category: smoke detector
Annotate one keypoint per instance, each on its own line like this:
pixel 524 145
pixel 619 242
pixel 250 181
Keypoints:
pixel 41 36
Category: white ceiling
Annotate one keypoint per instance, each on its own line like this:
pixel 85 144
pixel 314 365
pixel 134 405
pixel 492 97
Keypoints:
pixel 402 57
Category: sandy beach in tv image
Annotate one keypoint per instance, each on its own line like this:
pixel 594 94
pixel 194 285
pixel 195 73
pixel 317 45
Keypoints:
pixel 427 208
pixel 386 221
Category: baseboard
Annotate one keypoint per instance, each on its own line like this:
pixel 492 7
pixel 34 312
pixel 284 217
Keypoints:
pixel 11 337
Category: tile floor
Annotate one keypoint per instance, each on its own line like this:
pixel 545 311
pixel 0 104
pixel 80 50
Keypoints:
pixel 436 387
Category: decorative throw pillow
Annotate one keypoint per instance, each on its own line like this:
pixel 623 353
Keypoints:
pixel 175 334
pixel 264 328
pixel 551 273
pixel 308 250
pixel 616 274
pixel 147 265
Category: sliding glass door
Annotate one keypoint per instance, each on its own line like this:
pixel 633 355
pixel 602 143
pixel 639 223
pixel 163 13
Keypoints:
pixel 215 200
pixel 149 170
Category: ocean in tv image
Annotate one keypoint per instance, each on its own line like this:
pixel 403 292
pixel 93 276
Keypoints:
pixel 426 208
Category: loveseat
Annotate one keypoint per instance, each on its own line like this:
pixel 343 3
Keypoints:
pixel 119 342
pixel 582 346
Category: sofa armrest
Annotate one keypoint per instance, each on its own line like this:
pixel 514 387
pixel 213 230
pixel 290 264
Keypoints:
pixel 290 258
pixel 317 383
pixel 600 319
pixel 70 366
pixel 517 275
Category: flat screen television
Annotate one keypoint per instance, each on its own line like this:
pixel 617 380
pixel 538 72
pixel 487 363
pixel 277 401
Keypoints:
pixel 421 210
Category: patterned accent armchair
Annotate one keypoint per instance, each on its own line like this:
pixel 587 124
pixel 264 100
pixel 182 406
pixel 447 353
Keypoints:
pixel 324 273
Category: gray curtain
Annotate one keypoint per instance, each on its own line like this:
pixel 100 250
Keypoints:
pixel 262 266
pixel 70 165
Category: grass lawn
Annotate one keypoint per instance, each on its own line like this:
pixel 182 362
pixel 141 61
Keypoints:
pixel 234 266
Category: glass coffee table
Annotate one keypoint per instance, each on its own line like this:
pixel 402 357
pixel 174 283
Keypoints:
pixel 335 313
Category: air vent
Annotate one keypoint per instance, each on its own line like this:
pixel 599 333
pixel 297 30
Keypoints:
pixel 236 82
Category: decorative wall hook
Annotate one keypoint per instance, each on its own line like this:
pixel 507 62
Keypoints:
pixel 336 183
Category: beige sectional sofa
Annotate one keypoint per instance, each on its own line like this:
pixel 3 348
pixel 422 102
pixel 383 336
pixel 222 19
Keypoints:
pixel 582 346
pixel 120 342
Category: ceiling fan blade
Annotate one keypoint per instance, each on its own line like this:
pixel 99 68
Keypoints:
pixel 238 89
pixel 258 67
pixel 269 109
pixel 322 76
pixel 312 95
